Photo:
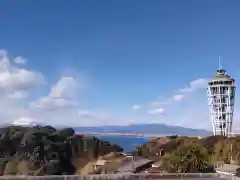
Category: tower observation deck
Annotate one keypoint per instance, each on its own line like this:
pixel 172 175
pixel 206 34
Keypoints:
pixel 221 94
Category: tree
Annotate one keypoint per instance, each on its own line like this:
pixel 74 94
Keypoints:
pixel 188 158
pixel 235 148
pixel 221 149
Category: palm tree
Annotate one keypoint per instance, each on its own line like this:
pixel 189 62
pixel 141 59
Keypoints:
pixel 196 159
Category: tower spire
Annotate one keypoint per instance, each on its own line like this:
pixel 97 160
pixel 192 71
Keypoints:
pixel 219 63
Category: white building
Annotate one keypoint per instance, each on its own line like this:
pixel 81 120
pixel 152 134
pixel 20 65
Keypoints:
pixel 221 94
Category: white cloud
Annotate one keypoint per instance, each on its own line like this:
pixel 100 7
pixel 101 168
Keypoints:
pixel 60 106
pixel 160 107
pixel 20 60
pixel 181 93
pixel 92 115
pixel 18 95
pixel 98 118
pixel 157 104
pixel 178 97
pixel 23 121
pixel 62 100
pixel 84 113
pixel 49 103
pixel 62 94
pixel 156 111
pixel 65 87
pixel 136 107
pixel 157 108
pixel 193 86
pixel 199 83
pixel 14 80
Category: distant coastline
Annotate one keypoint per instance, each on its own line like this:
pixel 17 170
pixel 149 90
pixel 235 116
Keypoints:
pixel 143 130
pixel 151 131
pixel 150 136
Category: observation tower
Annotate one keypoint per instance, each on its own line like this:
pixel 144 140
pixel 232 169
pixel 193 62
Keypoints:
pixel 221 94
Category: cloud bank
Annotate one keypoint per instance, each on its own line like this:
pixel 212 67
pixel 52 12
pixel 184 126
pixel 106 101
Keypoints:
pixel 19 104
pixel 60 96
pixel 184 107
pixel 158 106
pixel 61 105
pixel 17 82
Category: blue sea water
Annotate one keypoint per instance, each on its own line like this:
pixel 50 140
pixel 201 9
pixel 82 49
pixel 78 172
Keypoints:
pixel 127 143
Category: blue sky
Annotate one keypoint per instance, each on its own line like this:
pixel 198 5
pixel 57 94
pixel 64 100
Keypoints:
pixel 104 62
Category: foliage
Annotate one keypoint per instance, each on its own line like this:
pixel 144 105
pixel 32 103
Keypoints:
pixel 214 149
pixel 187 158
pixel 46 150
pixel 173 137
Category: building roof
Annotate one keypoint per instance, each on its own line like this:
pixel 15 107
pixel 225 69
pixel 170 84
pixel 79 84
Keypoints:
pixel 221 75
pixel 100 162
pixel 157 164
pixel 130 166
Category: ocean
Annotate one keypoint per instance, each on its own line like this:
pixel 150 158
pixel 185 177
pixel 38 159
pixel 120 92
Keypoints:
pixel 127 143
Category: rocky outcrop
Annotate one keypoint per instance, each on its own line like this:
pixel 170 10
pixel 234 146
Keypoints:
pixel 47 151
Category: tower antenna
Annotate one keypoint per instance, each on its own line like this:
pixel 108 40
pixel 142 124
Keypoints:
pixel 219 63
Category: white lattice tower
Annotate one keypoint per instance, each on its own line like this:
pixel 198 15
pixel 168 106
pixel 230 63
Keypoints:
pixel 221 94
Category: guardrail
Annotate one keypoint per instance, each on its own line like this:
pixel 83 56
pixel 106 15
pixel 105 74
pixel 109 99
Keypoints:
pixel 124 176
pixel 230 168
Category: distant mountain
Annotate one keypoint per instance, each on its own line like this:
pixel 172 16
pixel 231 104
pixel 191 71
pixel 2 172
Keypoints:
pixel 145 129
pixel 32 124
pixel 149 129
pixel 24 121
